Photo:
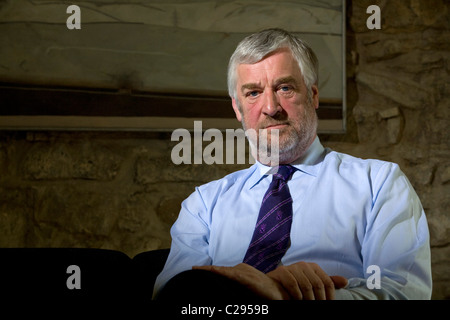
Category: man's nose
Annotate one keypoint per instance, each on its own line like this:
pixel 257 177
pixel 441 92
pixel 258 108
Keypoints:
pixel 271 105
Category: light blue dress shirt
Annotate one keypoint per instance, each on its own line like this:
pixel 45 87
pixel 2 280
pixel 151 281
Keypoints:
pixel 348 214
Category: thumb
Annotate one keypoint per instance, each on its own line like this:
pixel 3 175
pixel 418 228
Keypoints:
pixel 339 282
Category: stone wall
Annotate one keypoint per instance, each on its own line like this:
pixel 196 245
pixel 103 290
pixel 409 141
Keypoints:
pixel 401 110
pixel 103 190
pixel 121 191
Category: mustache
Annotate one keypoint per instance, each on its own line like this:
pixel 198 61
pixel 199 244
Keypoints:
pixel 273 122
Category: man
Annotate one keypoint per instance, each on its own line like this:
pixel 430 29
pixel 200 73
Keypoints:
pixel 355 228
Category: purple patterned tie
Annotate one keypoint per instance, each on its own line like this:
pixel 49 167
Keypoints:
pixel 271 236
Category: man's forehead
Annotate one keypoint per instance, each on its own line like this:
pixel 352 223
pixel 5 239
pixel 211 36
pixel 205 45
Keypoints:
pixel 276 66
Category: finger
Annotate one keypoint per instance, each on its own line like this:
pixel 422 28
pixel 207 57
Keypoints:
pixel 326 288
pixel 288 281
pixel 339 281
pixel 302 280
pixel 314 289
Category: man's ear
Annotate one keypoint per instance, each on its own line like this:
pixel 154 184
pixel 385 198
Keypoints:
pixel 315 96
pixel 236 109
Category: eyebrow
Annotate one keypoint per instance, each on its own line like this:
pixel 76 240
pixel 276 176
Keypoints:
pixel 288 79
pixel 250 86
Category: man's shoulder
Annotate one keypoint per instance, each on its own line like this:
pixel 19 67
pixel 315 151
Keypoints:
pixel 348 164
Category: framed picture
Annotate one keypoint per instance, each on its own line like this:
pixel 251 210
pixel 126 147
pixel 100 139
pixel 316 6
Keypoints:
pixel 149 65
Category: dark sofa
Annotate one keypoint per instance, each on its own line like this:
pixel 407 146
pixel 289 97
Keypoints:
pixel 42 275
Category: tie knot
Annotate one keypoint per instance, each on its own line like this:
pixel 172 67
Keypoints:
pixel 284 172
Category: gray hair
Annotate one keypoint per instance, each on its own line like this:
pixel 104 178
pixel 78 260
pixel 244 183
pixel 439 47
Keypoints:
pixel 258 45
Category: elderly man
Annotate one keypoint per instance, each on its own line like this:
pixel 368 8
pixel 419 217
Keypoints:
pixel 321 225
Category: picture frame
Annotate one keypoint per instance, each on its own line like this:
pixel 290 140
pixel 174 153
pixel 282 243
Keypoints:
pixel 150 65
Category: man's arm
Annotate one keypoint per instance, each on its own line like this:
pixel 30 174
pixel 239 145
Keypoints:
pixel 395 249
pixel 396 243
pixel 190 237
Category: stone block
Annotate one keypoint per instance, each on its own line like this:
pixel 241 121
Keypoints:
pixel 366 119
pixel 440 259
pixel 445 175
pixel 70 160
pixel 394 124
pixel 398 88
pixel 441 277
pixel 158 170
pixel 374 47
pixel 439 225
pixel 169 208
pixel 396 16
pixel 421 174
pixel 389 113
pixel 16 209
pixel 432 12
pixel 394 129
pixel 139 228
pixel 78 209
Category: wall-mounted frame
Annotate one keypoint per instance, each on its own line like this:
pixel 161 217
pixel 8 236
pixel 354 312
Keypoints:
pixel 149 65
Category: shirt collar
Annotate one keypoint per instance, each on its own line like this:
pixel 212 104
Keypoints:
pixel 309 163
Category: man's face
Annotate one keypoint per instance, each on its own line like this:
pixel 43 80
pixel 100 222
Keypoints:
pixel 272 95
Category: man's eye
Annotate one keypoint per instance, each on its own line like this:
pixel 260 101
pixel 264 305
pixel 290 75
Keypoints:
pixel 252 93
pixel 285 88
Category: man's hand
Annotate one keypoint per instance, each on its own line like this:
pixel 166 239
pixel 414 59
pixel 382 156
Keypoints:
pixel 299 281
pixel 252 278
pixel 307 281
